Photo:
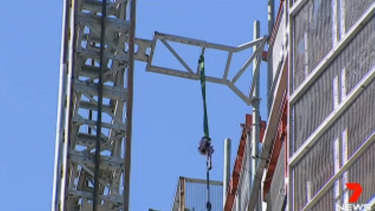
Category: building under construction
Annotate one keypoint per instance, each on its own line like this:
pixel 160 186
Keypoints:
pixel 320 134
pixel 316 150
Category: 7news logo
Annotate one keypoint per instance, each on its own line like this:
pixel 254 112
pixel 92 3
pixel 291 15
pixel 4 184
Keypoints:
pixel 352 205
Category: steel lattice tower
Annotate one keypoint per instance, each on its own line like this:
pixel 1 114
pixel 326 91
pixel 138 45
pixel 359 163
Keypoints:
pixel 95 103
pixel 94 122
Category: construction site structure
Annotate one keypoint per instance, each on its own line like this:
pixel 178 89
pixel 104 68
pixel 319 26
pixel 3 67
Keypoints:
pixel 319 136
pixel 94 121
pixel 93 138
pixel 318 149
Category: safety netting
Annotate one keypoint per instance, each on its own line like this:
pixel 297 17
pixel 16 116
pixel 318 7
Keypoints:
pixel 278 188
pixel 354 10
pixel 350 67
pixel 312 40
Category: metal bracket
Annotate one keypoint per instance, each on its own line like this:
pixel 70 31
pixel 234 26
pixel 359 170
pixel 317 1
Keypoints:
pixel 255 100
pixel 145 50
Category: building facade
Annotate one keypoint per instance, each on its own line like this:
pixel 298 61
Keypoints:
pixel 320 135
pixel 331 103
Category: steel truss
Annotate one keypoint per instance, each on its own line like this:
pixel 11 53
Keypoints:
pixel 146 51
pixel 95 99
pixel 84 98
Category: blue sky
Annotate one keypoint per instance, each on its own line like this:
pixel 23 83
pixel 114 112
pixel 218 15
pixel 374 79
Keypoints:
pixel 167 122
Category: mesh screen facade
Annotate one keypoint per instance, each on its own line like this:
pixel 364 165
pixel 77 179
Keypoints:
pixel 278 191
pixel 312 38
pixel 242 197
pixel 354 10
pixel 336 132
pixel 350 67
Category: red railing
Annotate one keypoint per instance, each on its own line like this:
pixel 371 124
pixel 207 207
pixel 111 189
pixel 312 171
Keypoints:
pixel 238 165
pixel 233 185
pixel 280 139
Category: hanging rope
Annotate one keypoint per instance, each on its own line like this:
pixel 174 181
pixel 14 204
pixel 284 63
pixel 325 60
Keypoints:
pixel 204 146
pixel 203 86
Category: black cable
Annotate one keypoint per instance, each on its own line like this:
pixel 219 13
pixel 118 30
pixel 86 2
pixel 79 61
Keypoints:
pixel 89 130
pixel 96 199
pixel 208 205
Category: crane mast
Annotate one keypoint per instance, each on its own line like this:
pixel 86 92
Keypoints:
pixel 94 121
pixel 93 139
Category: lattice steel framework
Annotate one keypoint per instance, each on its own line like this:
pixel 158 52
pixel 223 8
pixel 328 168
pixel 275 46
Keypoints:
pixel 146 52
pixel 95 103
pixel 95 99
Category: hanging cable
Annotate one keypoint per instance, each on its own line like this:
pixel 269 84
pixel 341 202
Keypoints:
pixel 204 146
pixel 96 198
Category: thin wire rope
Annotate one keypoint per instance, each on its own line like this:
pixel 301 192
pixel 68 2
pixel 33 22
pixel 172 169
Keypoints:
pixel 96 199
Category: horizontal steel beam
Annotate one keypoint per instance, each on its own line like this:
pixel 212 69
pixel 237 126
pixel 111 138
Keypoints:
pixel 88 195
pixel 182 74
pixel 201 181
pixel 96 6
pixel 93 106
pixel 89 141
pixel 82 121
pixel 94 54
pixel 111 23
pixel 117 93
pixel 106 162
pixel 205 44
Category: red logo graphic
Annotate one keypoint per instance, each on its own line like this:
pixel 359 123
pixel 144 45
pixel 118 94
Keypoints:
pixel 357 190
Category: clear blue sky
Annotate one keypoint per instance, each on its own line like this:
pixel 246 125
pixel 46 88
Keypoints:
pixel 167 121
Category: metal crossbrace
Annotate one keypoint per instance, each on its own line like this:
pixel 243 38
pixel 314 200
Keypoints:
pixel 78 106
pixel 76 133
pixel 146 50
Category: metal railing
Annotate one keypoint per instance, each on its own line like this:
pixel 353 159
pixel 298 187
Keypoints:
pixel 191 195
